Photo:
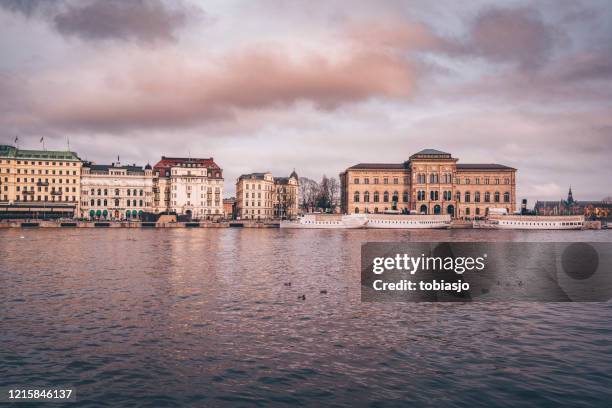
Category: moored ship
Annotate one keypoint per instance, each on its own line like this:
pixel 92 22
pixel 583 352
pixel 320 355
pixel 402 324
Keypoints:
pixel 326 221
pixel 533 222
pixel 393 221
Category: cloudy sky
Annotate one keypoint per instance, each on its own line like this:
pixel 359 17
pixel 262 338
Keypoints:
pixel 316 86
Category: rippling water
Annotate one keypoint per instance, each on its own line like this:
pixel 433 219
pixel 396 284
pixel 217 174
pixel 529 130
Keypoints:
pixel 202 317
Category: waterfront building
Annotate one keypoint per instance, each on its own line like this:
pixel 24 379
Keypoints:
pixel 188 186
pixel 429 182
pixel 569 206
pixel 39 183
pixel 262 196
pixel 115 191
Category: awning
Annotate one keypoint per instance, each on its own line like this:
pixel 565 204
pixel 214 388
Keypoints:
pixel 105 213
pixel 134 213
pixel 92 213
pixel 98 213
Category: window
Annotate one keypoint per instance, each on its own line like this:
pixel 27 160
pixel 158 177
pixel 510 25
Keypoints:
pixel 356 180
pixel 385 180
pixel 477 196
pixel 506 197
pixel 366 197
pixel 366 180
pixel 467 197
pixel 486 180
pixel 386 196
pixel 395 180
pixel 375 180
pixel 487 197
pixel 405 197
pixel 497 196
pixel 356 197
pixel 395 196
pixel 376 197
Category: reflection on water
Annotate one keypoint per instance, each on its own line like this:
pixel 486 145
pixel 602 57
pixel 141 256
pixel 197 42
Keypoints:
pixel 206 317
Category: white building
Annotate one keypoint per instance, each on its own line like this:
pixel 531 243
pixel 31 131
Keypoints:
pixel 189 186
pixel 261 196
pixel 115 191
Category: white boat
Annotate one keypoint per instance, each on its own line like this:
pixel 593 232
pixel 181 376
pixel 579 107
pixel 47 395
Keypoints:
pixel 326 221
pixel 398 221
pixel 533 222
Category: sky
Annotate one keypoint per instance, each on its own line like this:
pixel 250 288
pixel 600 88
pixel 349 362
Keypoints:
pixel 317 86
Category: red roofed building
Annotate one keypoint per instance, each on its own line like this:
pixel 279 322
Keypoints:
pixel 189 186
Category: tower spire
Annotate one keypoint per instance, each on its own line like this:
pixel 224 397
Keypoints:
pixel 570 196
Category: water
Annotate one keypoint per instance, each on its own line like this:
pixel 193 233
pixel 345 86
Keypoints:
pixel 202 317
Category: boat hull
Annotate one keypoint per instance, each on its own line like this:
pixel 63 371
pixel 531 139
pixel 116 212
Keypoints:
pixel 325 222
pixel 381 221
pixel 534 223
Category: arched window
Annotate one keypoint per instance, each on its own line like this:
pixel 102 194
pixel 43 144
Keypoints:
pixel 356 197
pixel 93 191
pixel 467 197
pixel 140 203
pixel 129 191
pixel 141 193
pixel 477 197
pixel 487 197
pixel 356 210
pixel 405 197
pixel 366 197
pixel 497 196
pixel 134 203
pixel 116 202
pixel 376 197
pixel 99 202
pixel 134 192
pixel 477 211
pixel 386 196
pixel 99 191
pixel 395 196
pixel 105 202
pixel 106 191
pixel 506 197
pixel 467 211
pixel 116 191
pixel 458 196
pixel 127 202
pixel 93 202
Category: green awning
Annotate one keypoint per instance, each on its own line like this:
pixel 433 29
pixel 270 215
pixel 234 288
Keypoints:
pixel 98 213
pixel 140 212
pixel 134 213
pixel 92 213
pixel 128 213
pixel 105 213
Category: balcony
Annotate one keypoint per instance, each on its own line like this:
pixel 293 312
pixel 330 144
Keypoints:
pixel 42 183
pixel 56 193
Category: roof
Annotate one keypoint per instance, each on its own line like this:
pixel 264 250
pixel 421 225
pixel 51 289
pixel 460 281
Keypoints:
pixel 11 151
pixel 281 180
pixel 482 166
pixel 167 162
pixel 253 176
pixel 378 166
pixel 106 167
pixel 432 151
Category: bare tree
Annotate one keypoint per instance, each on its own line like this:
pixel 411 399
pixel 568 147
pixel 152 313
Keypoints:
pixel 334 192
pixel 309 190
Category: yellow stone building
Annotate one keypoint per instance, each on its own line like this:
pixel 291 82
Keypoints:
pixel 39 183
pixel 430 182
pixel 261 196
